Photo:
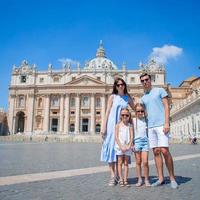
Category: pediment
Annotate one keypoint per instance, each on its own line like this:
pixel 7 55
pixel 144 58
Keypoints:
pixel 85 81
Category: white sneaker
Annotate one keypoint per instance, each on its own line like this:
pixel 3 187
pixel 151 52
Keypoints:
pixel 174 184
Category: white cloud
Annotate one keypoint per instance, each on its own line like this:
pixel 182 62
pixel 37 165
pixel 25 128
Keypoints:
pixel 163 54
pixel 64 61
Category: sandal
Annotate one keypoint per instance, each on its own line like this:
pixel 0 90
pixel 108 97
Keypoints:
pixel 121 183
pixel 126 184
pixel 112 182
pixel 147 183
pixel 139 183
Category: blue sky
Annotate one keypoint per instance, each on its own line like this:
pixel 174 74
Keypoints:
pixel 43 32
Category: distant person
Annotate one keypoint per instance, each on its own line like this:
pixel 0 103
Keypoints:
pixel 141 144
pixel 156 103
pixel 124 139
pixel 118 100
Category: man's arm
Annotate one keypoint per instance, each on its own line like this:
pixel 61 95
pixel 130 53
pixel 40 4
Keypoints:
pixel 166 108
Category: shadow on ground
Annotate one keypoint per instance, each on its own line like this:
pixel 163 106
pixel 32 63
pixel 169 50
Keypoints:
pixel 180 180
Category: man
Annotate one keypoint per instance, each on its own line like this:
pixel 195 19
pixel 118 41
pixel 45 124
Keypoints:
pixel 156 103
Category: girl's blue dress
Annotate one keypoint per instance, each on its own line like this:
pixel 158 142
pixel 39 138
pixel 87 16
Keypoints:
pixel 108 153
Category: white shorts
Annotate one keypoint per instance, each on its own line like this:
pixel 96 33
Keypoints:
pixel 157 138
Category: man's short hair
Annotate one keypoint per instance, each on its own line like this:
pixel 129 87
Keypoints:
pixel 145 74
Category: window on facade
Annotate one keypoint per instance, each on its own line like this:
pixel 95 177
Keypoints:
pixel 85 101
pixel 153 78
pixel 40 103
pixel 56 79
pixel 132 79
pixel 54 125
pixel 72 128
pixel 98 128
pixel 98 78
pixel 98 112
pixel 85 111
pixel 72 112
pixel 21 102
pixel 55 101
pixel 23 79
pixel 41 80
pixel 73 78
pixel 72 102
pixel 98 102
pixel 84 125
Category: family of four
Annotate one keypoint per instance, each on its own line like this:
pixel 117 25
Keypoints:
pixel 123 135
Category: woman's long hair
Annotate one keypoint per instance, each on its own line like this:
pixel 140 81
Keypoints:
pixel 115 91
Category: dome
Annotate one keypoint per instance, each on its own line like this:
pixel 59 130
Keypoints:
pixel 100 62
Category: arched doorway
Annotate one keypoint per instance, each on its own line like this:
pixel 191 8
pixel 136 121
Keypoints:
pixel 20 121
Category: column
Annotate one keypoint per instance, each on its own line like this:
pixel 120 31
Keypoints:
pixel 190 126
pixel 11 117
pixel 66 121
pixel 30 113
pixel 46 114
pixel 93 114
pixel 196 124
pixel 103 108
pixel 61 112
pixel 77 119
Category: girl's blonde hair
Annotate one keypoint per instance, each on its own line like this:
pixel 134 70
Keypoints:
pixel 130 118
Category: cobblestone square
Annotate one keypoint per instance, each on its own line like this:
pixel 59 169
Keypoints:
pixel 73 171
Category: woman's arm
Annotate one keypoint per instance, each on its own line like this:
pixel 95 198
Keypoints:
pixel 104 125
pixel 131 137
pixel 117 136
pixel 131 102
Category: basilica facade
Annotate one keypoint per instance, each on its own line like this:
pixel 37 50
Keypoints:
pixel 185 114
pixel 70 101
pixel 73 100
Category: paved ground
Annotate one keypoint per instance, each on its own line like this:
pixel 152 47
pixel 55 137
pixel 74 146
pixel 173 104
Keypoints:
pixel 73 171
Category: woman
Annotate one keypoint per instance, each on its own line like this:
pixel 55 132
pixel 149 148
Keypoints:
pixel 118 100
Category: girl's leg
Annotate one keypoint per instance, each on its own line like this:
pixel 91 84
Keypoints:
pixel 138 158
pixel 119 168
pixel 126 169
pixel 120 162
pixel 145 155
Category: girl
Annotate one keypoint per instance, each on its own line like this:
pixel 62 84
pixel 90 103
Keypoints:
pixel 118 100
pixel 123 138
pixel 141 146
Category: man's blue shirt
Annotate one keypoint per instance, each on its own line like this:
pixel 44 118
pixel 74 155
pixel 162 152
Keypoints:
pixel 154 106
